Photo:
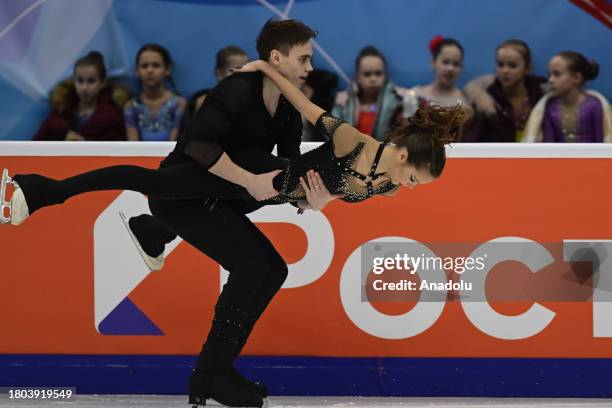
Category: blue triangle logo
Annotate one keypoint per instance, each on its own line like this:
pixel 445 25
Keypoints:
pixel 127 319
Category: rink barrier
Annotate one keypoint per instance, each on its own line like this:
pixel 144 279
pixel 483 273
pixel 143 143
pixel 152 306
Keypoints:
pixel 323 376
pixel 51 334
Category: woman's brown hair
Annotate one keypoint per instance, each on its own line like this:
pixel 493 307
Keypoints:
pixel 425 134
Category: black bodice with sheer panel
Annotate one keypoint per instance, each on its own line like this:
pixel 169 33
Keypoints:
pixel 335 171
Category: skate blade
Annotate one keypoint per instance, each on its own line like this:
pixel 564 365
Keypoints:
pixel 212 403
pixel 5 204
pixel 154 264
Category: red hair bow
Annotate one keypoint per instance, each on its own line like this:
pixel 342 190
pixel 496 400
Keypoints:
pixel 435 43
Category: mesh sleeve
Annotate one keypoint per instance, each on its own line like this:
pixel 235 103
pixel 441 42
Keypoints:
pixel 205 153
pixel 327 124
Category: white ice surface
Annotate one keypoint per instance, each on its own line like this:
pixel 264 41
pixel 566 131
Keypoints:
pixel 172 401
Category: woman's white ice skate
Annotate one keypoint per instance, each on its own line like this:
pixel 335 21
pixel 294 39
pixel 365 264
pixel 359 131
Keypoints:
pixel 17 207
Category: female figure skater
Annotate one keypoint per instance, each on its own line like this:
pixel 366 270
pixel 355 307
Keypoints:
pixel 350 164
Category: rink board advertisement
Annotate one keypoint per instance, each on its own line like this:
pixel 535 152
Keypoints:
pixel 71 271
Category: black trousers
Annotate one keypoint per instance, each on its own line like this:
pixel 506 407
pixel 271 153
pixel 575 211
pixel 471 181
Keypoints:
pixel 256 269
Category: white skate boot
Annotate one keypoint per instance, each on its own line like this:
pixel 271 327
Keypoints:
pixel 17 207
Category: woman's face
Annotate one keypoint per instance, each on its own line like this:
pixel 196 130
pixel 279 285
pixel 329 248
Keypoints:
pixel 560 78
pixel 406 174
pixel 87 82
pixel 511 67
pixel 151 69
pixel 448 65
pixel 371 74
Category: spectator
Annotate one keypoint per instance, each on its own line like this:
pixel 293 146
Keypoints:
pixel 569 113
pixel 447 63
pixel 228 58
pixel 87 106
pixel 503 102
pixel 370 103
pixel 155 114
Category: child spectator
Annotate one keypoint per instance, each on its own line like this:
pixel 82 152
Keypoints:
pixel 370 102
pixel 447 63
pixel 503 102
pixel 227 58
pixel 87 106
pixel 155 114
pixel 569 113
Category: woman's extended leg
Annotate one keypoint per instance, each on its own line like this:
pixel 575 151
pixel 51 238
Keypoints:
pixel 179 182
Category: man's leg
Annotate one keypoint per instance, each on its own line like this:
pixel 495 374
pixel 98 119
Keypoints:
pixel 269 287
pixel 271 284
pixel 228 238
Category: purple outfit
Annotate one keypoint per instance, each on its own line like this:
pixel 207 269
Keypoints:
pixel 589 123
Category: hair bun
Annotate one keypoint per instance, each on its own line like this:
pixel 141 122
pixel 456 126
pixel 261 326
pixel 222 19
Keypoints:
pixel 441 122
pixel 95 59
pixel 594 69
pixel 576 62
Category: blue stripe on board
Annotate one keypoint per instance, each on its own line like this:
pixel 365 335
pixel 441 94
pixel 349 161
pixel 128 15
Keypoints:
pixel 424 377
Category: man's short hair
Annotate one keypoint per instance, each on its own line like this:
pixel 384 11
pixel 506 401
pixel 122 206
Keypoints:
pixel 282 35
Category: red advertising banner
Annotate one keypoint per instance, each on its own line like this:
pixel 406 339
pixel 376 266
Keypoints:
pixel 70 274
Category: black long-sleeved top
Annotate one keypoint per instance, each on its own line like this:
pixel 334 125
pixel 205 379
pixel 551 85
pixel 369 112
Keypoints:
pixel 234 117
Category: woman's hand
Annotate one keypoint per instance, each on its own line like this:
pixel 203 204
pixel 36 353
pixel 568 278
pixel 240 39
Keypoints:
pixel 317 194
pixel 253 66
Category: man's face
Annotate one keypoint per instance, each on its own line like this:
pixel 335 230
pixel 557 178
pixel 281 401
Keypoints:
pixel 297 64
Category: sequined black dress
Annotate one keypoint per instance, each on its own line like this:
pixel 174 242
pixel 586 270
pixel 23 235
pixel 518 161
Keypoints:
pixel 335 171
